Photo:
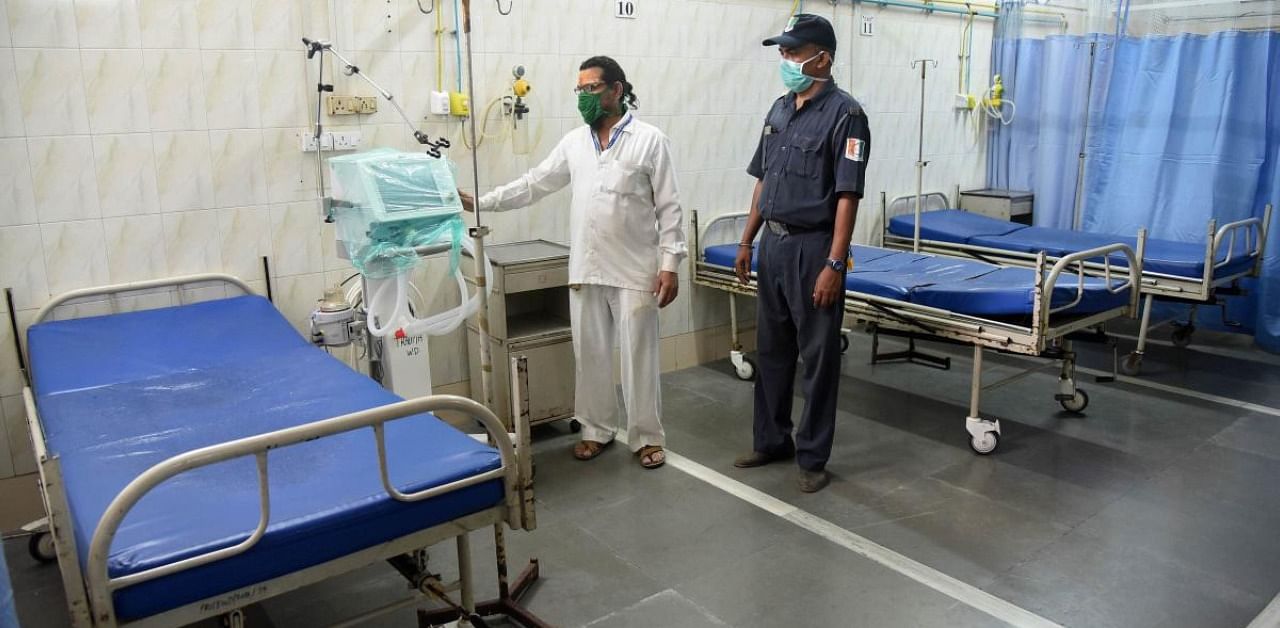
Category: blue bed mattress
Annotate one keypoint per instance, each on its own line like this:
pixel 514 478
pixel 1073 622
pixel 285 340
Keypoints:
pixel 118 394
pixel 1167 257
pixel 959 285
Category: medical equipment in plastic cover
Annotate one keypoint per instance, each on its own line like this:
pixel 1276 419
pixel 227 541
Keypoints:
pixel 387 202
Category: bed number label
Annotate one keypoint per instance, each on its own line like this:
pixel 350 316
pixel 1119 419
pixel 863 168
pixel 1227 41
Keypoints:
pixel 625 9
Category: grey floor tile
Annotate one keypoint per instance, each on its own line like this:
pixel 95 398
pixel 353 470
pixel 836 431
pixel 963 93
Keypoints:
pixel 665 608
pixel 1082 580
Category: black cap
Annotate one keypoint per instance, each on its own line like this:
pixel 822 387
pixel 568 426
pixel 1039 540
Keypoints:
pixel 805 28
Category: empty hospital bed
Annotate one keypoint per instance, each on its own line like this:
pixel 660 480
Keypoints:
pixel 1036 312
pixel 1187 272
pixel 198 458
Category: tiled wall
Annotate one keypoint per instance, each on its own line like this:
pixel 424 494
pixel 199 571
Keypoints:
pixel 145 138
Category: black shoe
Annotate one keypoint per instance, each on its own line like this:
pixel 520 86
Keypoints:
pixel 812 481
pixel 760 458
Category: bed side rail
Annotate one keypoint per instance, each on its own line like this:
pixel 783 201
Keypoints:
pixel 1252 233
pixel 101 584
pixel 134 286
pixel 1125 279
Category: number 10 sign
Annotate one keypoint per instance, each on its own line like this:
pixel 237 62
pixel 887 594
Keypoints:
pixel 625 9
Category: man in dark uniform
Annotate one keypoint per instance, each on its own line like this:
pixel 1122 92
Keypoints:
pixel 810 167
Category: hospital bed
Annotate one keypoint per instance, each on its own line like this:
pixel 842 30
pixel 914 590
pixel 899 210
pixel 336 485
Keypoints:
pixel 1184 272
pixel 1034 312
pixel 198 458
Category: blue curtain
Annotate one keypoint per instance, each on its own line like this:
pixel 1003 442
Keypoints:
pixel 1049 82
pixel 1188 134
pixel 1181 130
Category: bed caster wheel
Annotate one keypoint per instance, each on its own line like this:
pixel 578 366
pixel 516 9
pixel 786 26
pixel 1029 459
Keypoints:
pixel 1182 336
pixel 746 371
pixel 1132 364
pixel 575 426
pixel 985 444
pixel 1077 403
pixel 40 546
pixel 844 343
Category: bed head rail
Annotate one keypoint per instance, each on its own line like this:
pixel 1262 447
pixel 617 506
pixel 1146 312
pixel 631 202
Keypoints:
pixel 101 584
pixel 904 205
pixel 112 289
pixel 723 229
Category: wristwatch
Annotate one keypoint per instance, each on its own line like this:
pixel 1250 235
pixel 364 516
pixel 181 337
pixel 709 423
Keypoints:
pixel 836 264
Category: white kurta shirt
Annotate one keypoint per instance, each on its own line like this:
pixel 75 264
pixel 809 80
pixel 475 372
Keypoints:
pixel 625 216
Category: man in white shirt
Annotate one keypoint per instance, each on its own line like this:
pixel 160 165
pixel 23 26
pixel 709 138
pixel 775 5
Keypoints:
pixel 626 245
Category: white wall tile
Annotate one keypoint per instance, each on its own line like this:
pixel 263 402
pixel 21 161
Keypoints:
pixel 291 173
pixel 231 93
pixel 296 296
pixel 115 91
pixel 281 90
pixel 175 90
pixel 368 24
pixel 75 255
pixel 295 239
pixel 168 23
pixel 238 168
pixel 51 90
pixel 15 425
pixel 225 24
pixel 191 242
pixel 184 170
pixel 112 24
pixel 126 170
pixel 11 124
pixel 279 24
pixel 244 238
pixel 17 201
pixel 62 175
pixel 22 265
pixel 42 23
pixel 135 248
pixel 5 40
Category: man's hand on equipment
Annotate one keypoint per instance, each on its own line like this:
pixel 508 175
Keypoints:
pixel 827 289
pixel 742 264
pixel 666 287
pixel 468 201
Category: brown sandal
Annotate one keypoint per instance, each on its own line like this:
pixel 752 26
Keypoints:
pixel 588 449
pixel 652 456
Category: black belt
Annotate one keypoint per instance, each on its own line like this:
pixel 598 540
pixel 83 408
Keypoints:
pixel 782 228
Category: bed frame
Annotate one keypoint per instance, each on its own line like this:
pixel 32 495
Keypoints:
pixel 89 591
pixel 1049 334
pixel 1250 234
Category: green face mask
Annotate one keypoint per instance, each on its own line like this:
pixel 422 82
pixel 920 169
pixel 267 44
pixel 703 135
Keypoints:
pixel 590 108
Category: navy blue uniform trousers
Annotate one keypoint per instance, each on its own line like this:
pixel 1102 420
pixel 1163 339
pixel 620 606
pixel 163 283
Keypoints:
pixel 790 327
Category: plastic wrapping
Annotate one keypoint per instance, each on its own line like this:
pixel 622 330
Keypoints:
pixel 388 202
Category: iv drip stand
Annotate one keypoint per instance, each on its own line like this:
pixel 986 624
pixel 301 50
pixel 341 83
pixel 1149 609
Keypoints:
pixel 920 162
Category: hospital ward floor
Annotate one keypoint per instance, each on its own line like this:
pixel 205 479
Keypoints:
pixel 1158 508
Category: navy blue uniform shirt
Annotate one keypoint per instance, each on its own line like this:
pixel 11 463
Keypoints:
pixel 807 157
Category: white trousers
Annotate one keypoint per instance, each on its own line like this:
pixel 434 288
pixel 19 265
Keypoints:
pixel 600 315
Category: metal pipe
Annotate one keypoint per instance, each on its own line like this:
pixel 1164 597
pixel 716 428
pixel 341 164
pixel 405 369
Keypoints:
pixel 1077 213
pixel 464 574
pixel 920 162
pixel 975 382
pixel 478 233
pixel 17 335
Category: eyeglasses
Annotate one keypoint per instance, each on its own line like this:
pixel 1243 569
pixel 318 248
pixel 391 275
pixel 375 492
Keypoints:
pixel 590 88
